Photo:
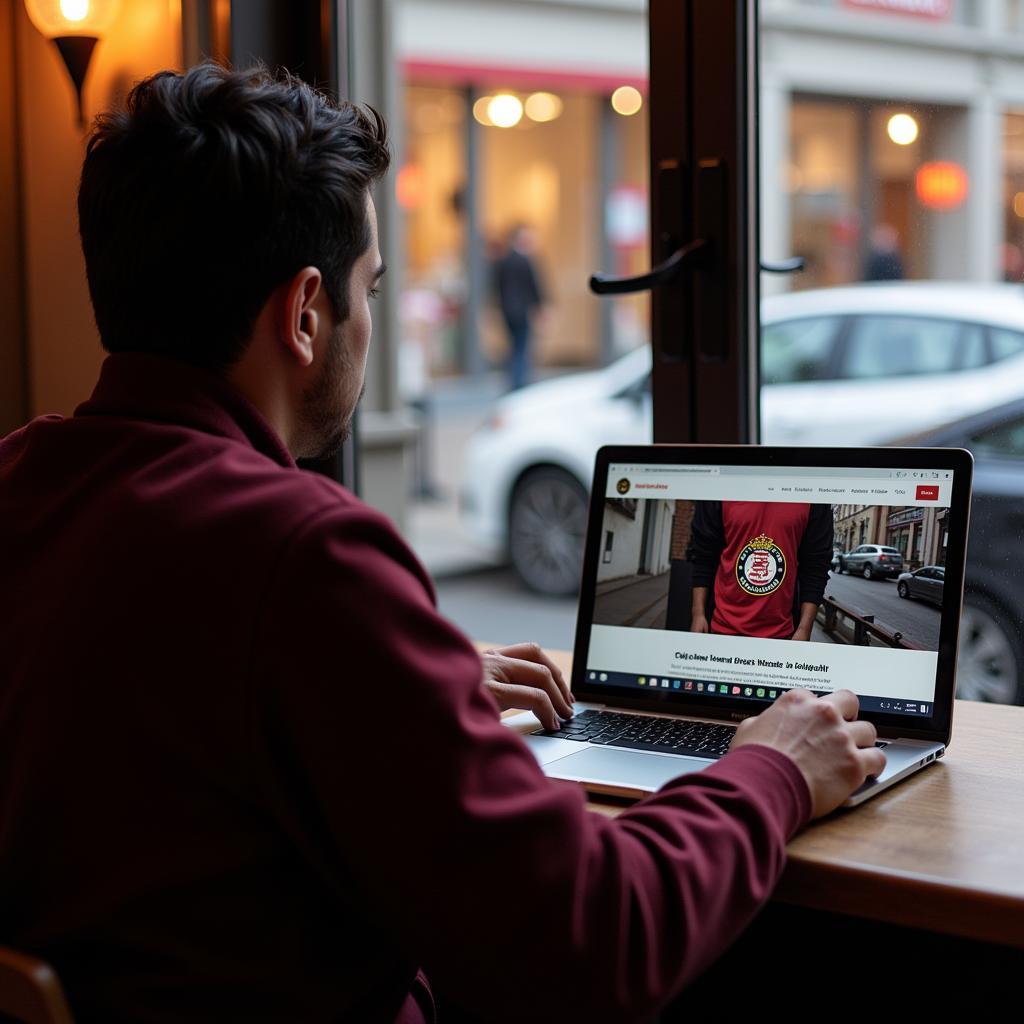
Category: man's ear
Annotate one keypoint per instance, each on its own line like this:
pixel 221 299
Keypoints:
pixel 301 321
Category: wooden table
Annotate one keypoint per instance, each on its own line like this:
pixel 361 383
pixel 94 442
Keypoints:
pixel 941 851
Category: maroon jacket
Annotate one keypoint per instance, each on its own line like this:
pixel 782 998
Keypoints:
pixel 248 772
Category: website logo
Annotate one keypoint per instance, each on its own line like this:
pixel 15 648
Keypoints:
pixel 622 486
pixel 761 566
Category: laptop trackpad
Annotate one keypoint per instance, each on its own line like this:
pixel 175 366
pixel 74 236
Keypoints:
pixel 624 767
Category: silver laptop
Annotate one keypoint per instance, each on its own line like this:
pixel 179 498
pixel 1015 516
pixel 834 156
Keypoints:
pixel 717 578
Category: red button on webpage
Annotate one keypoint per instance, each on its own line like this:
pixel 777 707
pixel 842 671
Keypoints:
pixel 926 492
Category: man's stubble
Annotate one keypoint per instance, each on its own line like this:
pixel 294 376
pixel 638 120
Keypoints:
pixel 327 405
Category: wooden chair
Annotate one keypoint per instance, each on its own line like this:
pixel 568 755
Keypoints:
pixel 30 991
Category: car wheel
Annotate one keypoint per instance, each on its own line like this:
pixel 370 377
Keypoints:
pixel 990 663
pixel 902 589
pixel 866 571
pixel 547 528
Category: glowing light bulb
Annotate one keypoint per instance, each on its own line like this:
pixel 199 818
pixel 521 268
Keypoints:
pixel 626 100
pixel 480 111
pixel 505 110
pixel 74 10
pixel 543 106
pixel 902 129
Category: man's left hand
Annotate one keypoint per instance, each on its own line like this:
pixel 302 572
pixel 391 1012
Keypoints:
pixel 523 676
pixel 802 633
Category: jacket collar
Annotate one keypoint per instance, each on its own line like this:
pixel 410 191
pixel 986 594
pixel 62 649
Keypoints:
pixel 141 386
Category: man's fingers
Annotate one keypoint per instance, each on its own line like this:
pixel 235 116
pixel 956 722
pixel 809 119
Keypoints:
pixel 535 653
pixel 872 761
pixel 510 695
pixel 864 733
pixel 846 702
pixel 533 674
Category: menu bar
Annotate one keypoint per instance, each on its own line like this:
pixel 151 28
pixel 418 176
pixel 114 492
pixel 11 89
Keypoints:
pixel 782 484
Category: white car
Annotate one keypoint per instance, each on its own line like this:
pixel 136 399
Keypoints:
pixel 844 366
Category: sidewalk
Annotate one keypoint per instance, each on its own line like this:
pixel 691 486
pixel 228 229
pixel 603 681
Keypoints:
pixel 455 408
pixel 635 601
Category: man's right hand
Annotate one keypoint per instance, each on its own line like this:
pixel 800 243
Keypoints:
pixel 822 737
pixel 699 624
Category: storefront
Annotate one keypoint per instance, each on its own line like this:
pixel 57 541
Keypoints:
pixel 892 146
pixel 502 130
pixel 892 143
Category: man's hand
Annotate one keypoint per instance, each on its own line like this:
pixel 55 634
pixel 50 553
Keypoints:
pixel 834 752
pixel 523 676
pixel 802 633
pixel 699 624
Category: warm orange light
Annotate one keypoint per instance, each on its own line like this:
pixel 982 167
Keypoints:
pixel 480 111
pixel 72 17
pixel 409 186
pixel 543 107
pixel 75 26
pixel 941 185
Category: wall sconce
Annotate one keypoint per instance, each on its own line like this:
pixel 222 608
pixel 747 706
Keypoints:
pixel 75 26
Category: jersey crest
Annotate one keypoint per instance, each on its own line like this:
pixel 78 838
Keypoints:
pixel 760 566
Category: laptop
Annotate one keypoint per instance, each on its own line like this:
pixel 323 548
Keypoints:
pixel 715 578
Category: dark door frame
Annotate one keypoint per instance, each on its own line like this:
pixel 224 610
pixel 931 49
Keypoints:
pixel 704 185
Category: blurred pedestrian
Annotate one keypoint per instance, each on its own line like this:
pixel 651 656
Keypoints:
pixel 884 262
pixel 521 297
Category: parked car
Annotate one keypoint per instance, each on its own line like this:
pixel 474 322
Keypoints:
pixel 872 560
pixel 926 583
pixel 990 664
pixel 849 366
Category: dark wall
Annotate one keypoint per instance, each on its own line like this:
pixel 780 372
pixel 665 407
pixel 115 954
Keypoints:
pixel 14 403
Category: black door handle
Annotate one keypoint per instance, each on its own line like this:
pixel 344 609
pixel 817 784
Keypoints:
pixel 790 266
pixel 662 274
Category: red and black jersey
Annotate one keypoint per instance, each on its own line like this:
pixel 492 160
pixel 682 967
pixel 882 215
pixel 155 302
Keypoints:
pixel 763 559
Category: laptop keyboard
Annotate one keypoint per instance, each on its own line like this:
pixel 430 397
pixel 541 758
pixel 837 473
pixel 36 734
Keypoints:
pixel 644 732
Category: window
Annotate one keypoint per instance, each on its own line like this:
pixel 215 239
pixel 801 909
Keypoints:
pixel 1007 439
pixel 522 168
pixel 904 195
pixel 1005 343
pixel 899 346
pixel 797 350
pixel 972 348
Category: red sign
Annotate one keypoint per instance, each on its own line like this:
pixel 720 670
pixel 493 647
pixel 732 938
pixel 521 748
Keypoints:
pixel 927 492
pixel 935 10
pixel 941 184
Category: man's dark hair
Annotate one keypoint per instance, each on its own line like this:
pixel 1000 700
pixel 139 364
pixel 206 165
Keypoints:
pixel 208 191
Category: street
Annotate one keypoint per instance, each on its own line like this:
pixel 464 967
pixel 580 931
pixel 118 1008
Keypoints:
pixel 493 606
pixel 916 620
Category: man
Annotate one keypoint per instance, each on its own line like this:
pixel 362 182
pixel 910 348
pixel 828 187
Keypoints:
pixel 883 262
pixel 247 772
pixel 520 297
pixel 759 567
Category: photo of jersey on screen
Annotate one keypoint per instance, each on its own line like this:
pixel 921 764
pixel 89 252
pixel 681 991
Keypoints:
pixel 771 570
pixel 759 568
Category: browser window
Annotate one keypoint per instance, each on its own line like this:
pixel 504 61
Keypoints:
pixel 742 582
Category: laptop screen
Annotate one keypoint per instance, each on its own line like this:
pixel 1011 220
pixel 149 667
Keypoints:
pixel 736 583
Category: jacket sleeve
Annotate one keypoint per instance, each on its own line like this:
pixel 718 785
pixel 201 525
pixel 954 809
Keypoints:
pixel 383 758
pixel 814 556
pixel 707 539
